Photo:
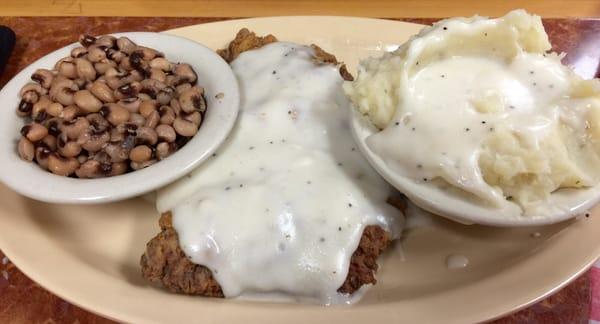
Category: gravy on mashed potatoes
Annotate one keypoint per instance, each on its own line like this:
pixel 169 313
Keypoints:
pixel 482 105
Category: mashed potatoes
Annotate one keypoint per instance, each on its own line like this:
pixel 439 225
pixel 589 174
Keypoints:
pixel 482 105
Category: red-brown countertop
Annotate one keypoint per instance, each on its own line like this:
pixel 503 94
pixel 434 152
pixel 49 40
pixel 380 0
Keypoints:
pixel 23 301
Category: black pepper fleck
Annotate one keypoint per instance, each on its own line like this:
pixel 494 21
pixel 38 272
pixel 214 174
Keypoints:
pixel 531 72
pixel 289 112
pixel 509 197
pixel 274 72
pixel 491 129
pixel 214 154
pixel 241 185
pixel 445 28
pixel 587 214
pixel 350 205
pixel 485 34
pixel 413 129
pixel 322 239
pixel 443 76
pixel 353 149
pixel 483 121
pixel 340 228
pixel 425 179
pixel 251 148
pixel 227 188
pixel 339 163
pixel 467 129
pixel 309 182
pixel 270 142
pixel 397 123
pixel 534 84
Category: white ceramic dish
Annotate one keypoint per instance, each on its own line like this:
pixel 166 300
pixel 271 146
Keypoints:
pixel 89 255
pixel 562 204
pixel 214 75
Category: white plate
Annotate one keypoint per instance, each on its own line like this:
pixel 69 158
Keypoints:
pixel 214 75
pixel 90 254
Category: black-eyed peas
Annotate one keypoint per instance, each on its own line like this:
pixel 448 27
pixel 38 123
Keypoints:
pixel 108 108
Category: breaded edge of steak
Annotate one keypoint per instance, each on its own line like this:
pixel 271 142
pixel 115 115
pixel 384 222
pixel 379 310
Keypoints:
pixel 246 40
pixel 165 263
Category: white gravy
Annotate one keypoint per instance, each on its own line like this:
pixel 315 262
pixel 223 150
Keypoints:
pixel 438 130
pixel 280 209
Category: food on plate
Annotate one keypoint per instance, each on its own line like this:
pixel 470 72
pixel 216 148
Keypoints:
pixel 164 262
pixel 111 107
pixel 482 108
pixel 287 208
pixel 244 41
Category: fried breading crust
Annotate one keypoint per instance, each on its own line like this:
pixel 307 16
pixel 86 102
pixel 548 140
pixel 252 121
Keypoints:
pixel 246 40
pixel 166 264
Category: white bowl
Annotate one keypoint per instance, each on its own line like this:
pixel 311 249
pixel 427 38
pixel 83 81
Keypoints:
pixel 562 204
pixel 214 75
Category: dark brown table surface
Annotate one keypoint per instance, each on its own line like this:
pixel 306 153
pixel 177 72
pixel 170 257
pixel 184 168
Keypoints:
pixel 23 301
